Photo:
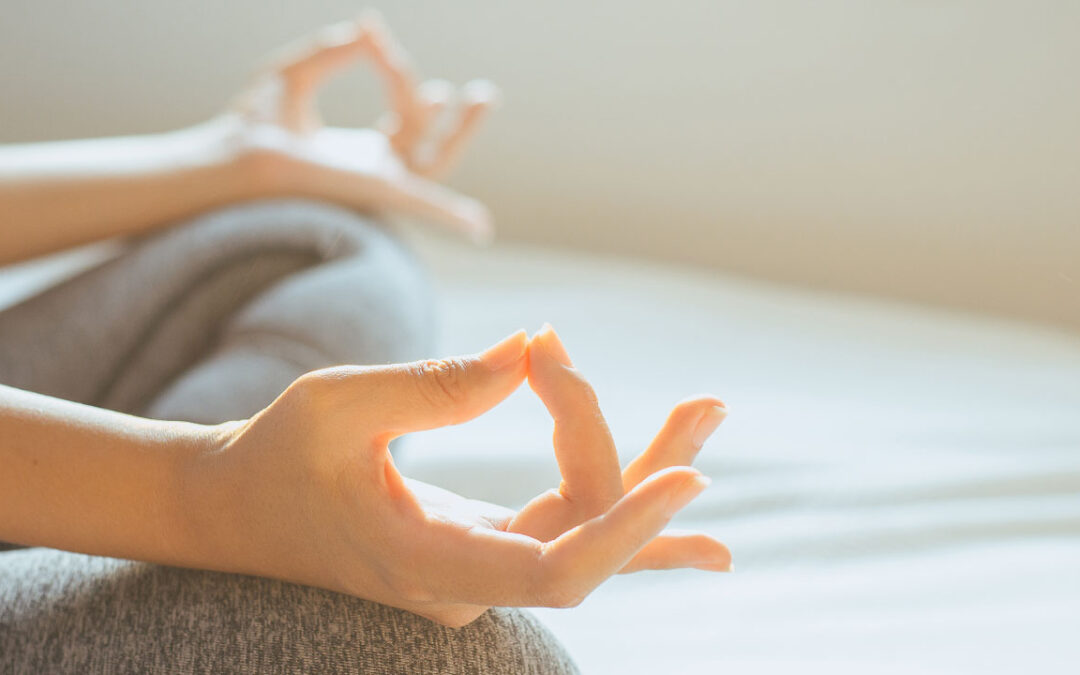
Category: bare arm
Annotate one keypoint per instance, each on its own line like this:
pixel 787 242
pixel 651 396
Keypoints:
pixel 90 480
pixel 306 489
pixel 271 142
pixel 57 195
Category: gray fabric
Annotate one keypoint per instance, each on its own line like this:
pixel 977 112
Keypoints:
pixel 158 330
pixel 68 613
pixel 206 322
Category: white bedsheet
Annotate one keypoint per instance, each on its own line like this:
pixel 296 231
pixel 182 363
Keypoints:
pixel 900 486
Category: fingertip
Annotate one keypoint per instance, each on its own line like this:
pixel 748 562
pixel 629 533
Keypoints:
pixel 549 364
pixel 541 363
pixel 384 46
pixel 478 98
pixel 679 484
pixel 482 235
pixel 688 412
pixel 506 352
pixel 718 558
pixel 670 475
pixel 703 399
pixel 478 221
pixel 667 481
pixel 549 343
pixel 371 19
pixel 719 561
pixel 369 30
pixel 543 328
pixel 710 420
pixel 483 92
pixel 437 92
pixel 339 34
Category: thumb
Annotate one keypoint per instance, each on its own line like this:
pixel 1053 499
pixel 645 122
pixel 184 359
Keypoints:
pixel 440 392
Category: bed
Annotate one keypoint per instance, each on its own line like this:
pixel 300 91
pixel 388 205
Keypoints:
pixel 900 485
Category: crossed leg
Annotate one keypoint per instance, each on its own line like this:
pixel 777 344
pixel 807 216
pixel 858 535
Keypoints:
pixel 207 322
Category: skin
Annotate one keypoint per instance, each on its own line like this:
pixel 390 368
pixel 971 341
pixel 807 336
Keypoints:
pixel 306 490
pixel 270 143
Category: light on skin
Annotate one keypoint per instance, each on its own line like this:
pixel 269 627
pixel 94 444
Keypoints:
pixel 306 490
pixel 270 142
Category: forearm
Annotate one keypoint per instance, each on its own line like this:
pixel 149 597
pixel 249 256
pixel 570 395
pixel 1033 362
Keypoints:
pixel 57 195
pixel 90 480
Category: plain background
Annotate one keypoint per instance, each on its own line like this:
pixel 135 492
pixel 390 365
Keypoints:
pixel 928 151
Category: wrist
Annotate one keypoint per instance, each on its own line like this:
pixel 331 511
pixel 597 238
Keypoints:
pixel 90 480
pixel 254 162
pixel 206 504
pixel 168 509
pixel 241 169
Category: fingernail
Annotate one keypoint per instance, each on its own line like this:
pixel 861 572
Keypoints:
pixel 686 492
pixel 550 342
pixel 707 425
pixel 507 351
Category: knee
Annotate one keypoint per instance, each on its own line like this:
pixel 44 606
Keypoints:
pixel 367 299
pixel 507 640
pixel 78 614
pixel 274 289
pixel 374 306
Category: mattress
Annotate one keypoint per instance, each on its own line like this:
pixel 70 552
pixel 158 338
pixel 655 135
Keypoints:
pixel 900 485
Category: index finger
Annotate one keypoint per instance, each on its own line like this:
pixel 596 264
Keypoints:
pixel 584 448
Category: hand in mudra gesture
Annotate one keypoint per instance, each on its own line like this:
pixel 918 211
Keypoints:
pixel 307 491
pixel 276 127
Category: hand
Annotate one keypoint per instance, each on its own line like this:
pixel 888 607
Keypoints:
pixel 306 491
pixel 592 482
pixel 277 132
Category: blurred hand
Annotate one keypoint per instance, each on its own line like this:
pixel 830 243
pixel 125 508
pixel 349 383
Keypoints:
pixel 306 490
pixel 278 132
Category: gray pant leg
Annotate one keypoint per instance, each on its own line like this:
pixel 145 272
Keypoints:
pixel 69 613
pixel 211 320
pixel 207 322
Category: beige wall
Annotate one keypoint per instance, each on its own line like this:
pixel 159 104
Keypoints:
pixel 925 150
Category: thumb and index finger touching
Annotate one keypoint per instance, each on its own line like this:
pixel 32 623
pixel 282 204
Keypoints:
pixel 304 68
pixel 518 569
